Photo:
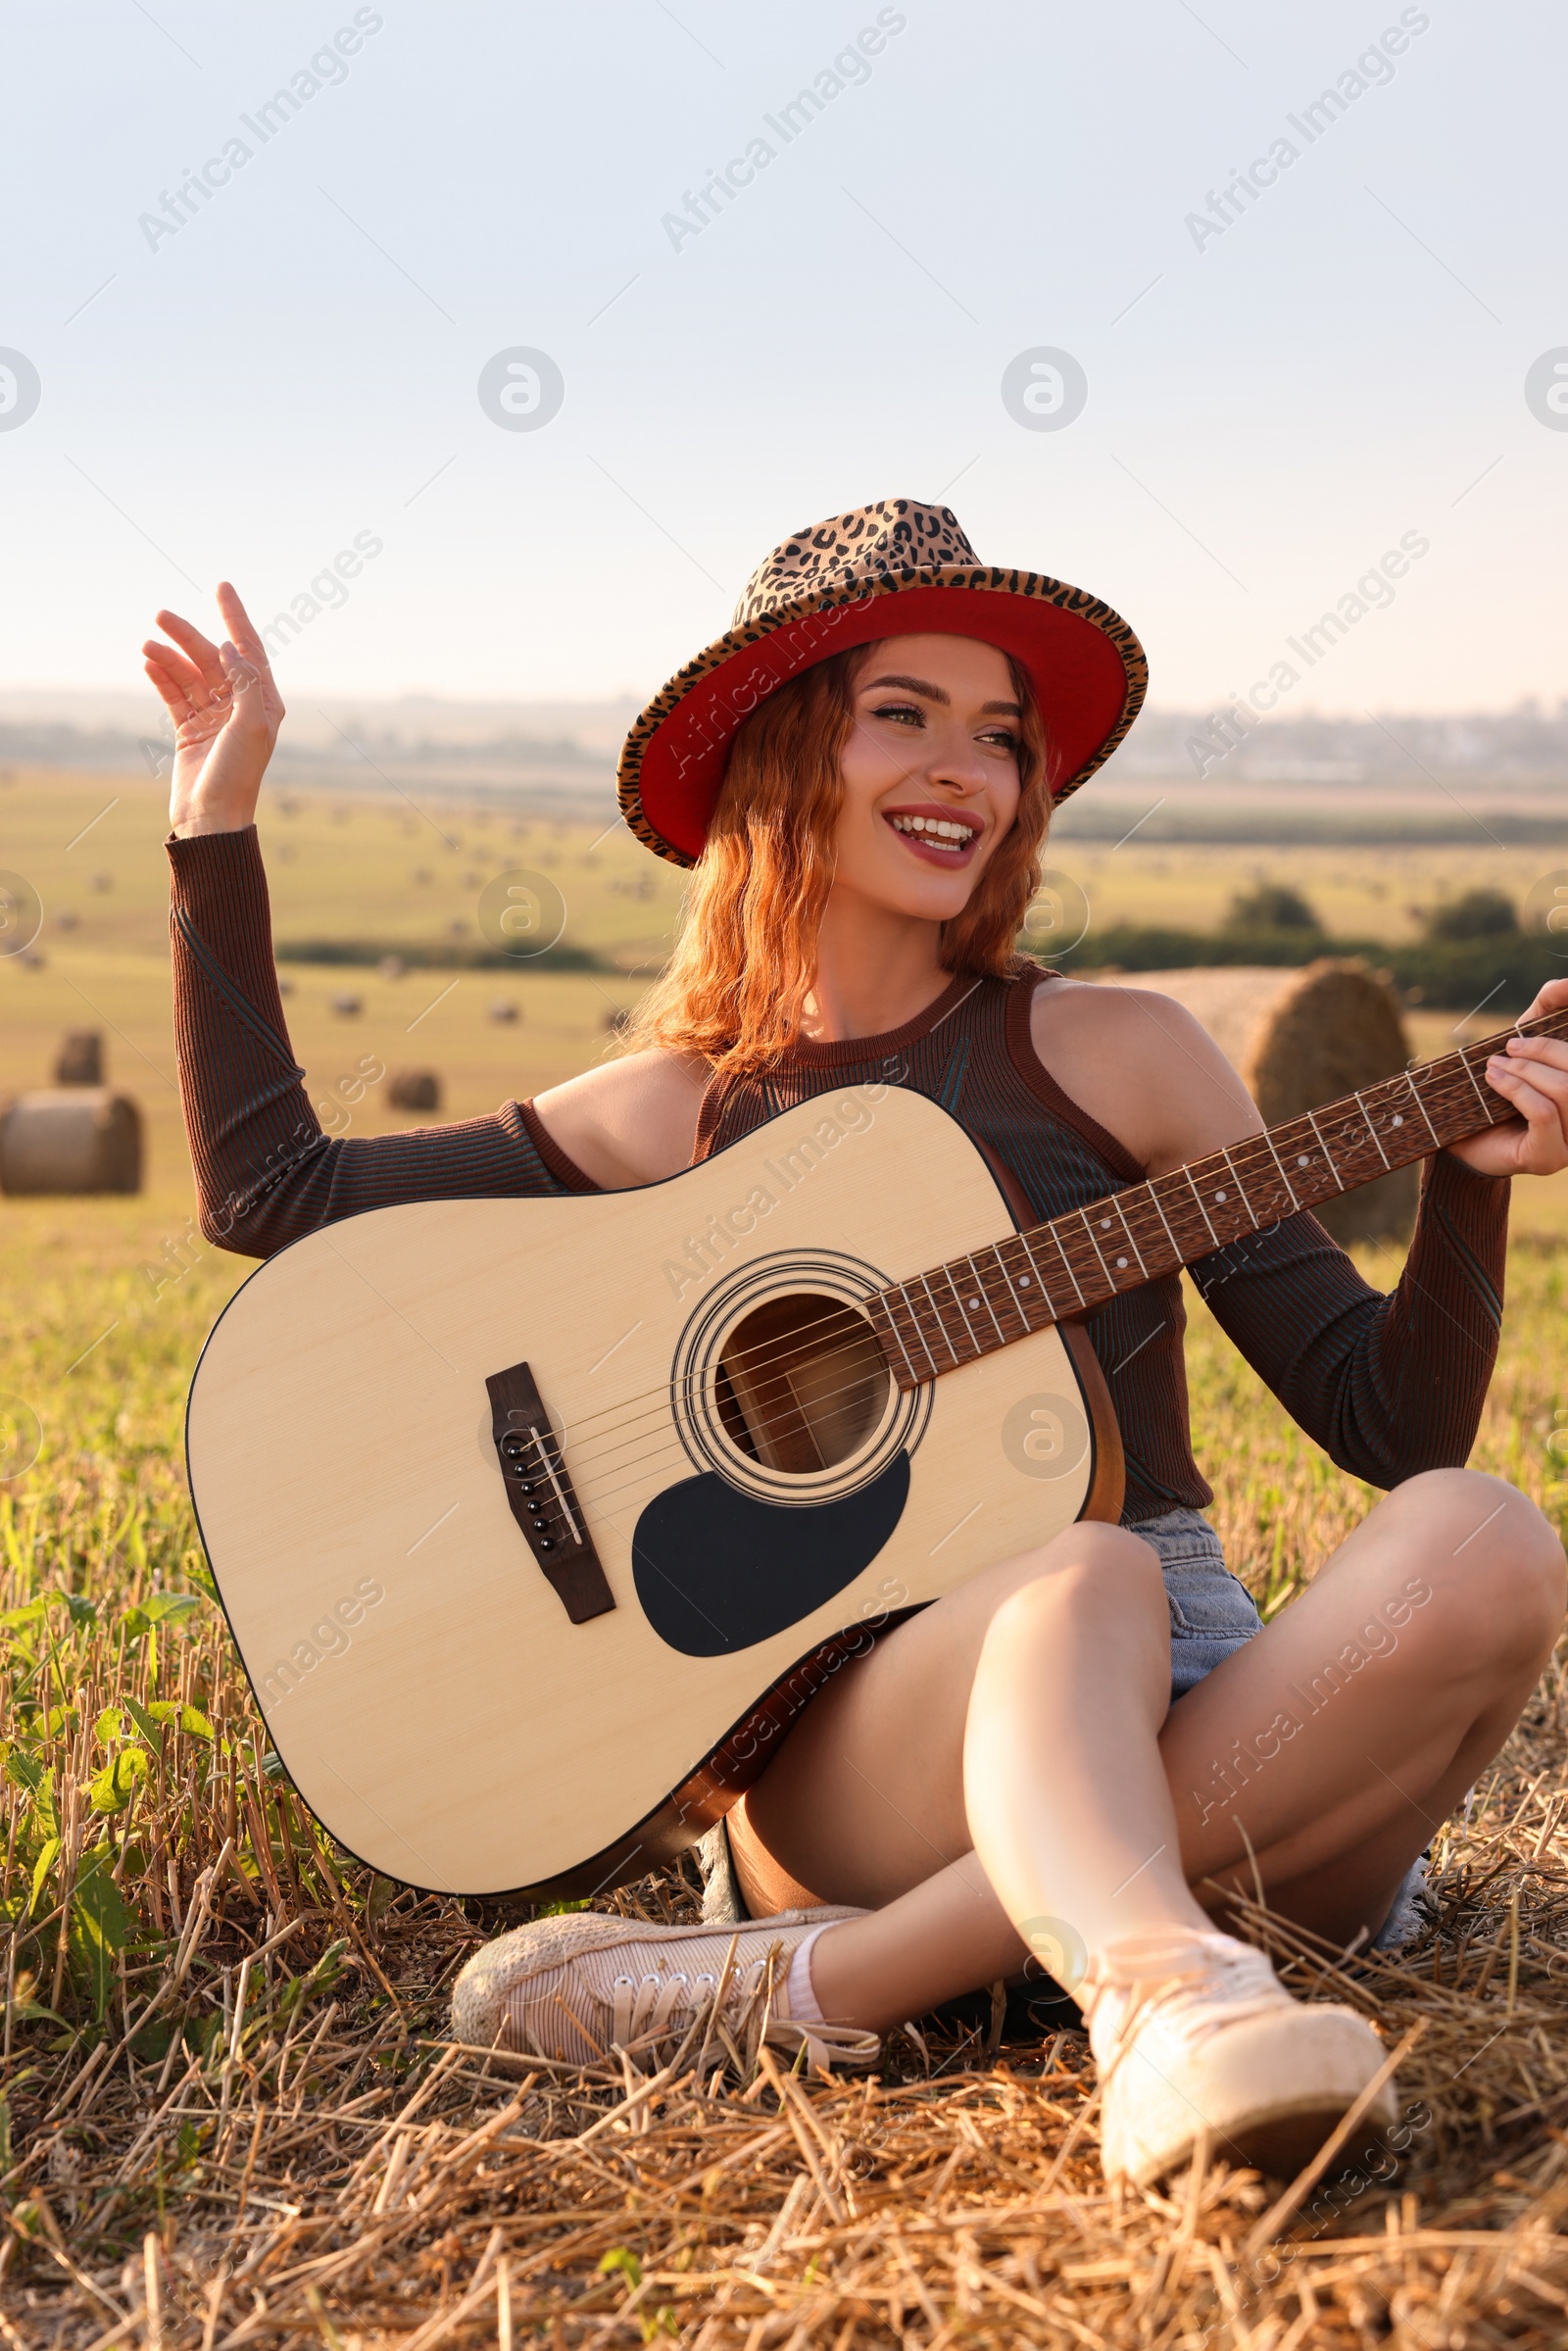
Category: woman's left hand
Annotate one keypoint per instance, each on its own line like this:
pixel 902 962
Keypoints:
pixel 1531 1073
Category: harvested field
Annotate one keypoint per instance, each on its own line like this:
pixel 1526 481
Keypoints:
pixel 229 2116
pixel 232 2116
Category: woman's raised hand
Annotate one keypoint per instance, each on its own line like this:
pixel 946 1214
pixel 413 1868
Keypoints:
pixel 227 708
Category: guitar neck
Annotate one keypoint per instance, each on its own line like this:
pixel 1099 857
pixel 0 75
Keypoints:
pixel 970 1306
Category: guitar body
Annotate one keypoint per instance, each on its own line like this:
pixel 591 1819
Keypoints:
pixel 732 1456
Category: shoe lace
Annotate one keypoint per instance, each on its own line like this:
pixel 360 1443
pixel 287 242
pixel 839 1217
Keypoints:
pixel 651 2015
pixel 656 2010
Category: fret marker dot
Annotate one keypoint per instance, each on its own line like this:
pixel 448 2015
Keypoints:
pixel 1397 1119
pixel 1121 1260
pixel 974 1305
pixel 1219 1196
pixel 1301 1160
pixel 1023 1280
pixel 1104 1224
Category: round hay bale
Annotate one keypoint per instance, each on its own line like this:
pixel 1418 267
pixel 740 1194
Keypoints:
pixel 1300 1036
pixel 81 1059
pixel 73 1139
pixel 415 1090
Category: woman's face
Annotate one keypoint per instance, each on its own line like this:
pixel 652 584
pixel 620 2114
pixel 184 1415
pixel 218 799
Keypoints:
pixel 930 774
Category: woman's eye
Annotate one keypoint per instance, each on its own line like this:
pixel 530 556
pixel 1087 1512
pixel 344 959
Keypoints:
pixel 906 711
pixel 1001 737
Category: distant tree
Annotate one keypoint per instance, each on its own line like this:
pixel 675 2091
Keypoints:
pixel 1477 915
pixel 1272 907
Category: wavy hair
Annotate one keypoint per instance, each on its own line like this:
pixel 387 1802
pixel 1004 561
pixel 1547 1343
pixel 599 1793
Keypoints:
pixel 735 989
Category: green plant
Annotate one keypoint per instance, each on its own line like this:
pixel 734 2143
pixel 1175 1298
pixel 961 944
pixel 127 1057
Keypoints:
pixel 1271 907
pixel 1477 915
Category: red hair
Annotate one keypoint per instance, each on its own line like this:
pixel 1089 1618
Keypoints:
pixel 736 986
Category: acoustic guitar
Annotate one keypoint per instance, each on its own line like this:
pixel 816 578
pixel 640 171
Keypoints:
pixel 538 1521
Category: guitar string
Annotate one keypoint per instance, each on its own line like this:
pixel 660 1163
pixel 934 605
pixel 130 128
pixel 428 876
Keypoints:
pixel 630 1471
pixel 793 1353
pixel 767 1424
pixel 770 1361
pixel 770 1424
pixel 672 1445
pixel 1365 1131
pixel 775 1360
pixel 654 1398
pixel 632 1468
pixel 1122 1202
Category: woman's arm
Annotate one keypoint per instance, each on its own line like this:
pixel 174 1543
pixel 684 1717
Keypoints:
pixel 266 1170
pixel 1387 1384
pixel 1390 1385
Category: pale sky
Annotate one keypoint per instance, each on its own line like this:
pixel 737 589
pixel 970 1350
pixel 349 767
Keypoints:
pixel 1272 404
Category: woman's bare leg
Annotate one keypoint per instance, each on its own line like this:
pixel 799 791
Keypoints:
pixel 1394 1680
pixel 1008 1757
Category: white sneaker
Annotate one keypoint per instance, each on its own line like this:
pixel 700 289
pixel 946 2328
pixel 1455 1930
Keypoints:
pixel 577 1985
pixel 1194 2030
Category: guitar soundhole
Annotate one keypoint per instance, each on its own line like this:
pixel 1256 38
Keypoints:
pixel 801 1383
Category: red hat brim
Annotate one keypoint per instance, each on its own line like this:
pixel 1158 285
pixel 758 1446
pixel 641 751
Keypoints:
pixel 1086 666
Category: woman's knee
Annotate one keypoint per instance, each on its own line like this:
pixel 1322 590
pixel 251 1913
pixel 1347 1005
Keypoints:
pixel 1490 1542
pixel 1090 1566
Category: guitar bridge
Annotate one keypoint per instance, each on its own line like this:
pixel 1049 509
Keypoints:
pixel 540 1494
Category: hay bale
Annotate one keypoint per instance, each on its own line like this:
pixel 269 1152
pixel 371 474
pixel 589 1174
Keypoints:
pixel 1301 1037
pixel 81 1059
pixel 79 1138
pixel 414 1090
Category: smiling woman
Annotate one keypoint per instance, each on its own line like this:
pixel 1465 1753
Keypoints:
pixel 865 801
pixel 860 774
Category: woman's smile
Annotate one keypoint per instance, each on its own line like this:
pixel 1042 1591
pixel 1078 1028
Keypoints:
pixel 934 835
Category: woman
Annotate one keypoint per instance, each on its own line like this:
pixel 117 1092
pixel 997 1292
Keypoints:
pixel 1049 1761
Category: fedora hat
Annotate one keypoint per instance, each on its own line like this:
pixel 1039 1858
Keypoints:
pixel 896 569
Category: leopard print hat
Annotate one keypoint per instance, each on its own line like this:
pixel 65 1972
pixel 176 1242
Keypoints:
pixel 831 587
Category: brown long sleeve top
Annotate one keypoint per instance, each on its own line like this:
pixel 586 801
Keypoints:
pixel 1387 1385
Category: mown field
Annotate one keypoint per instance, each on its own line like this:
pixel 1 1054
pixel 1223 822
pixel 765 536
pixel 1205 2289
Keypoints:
pixel 379 868
pixel 229 2113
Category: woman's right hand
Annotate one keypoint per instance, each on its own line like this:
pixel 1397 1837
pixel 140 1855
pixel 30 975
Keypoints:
pixel 227 708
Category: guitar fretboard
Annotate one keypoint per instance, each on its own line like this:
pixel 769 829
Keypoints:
pixel 968 1308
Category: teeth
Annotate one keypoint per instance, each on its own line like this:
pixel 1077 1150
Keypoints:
pixel 939 832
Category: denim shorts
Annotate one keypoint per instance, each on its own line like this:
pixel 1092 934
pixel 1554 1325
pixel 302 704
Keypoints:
pixel 1212 1614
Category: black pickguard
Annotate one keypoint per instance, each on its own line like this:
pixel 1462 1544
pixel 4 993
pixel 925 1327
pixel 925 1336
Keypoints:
pixel 716 1568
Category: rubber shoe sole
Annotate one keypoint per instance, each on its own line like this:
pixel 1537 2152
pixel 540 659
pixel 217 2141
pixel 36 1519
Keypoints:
pixel 1269 2090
